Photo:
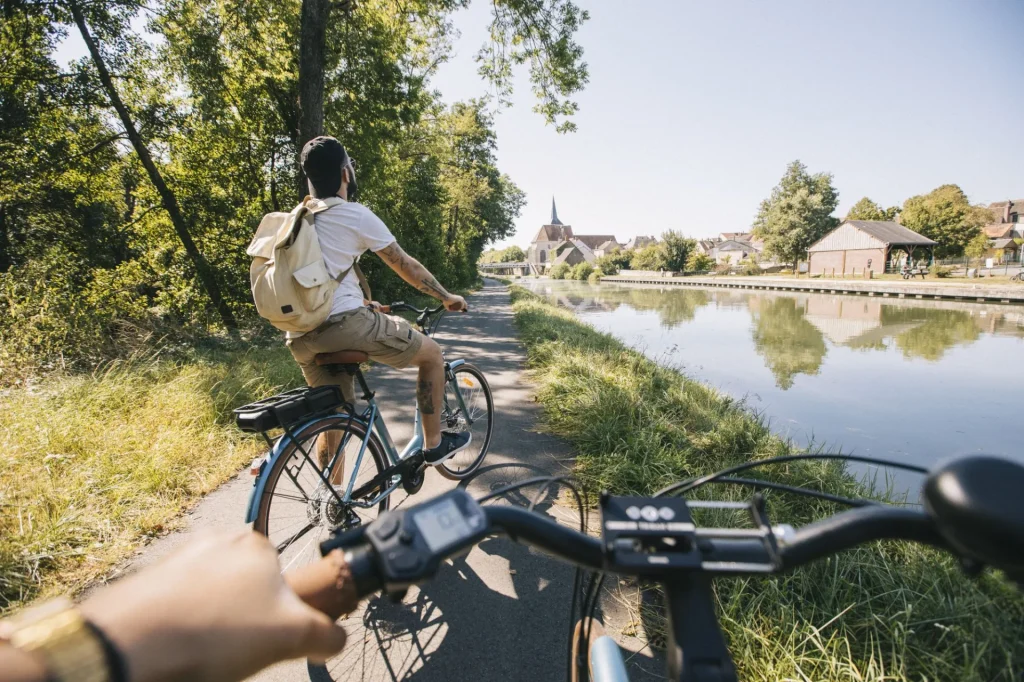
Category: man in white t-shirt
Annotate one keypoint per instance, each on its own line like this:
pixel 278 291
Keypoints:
pixel 346 230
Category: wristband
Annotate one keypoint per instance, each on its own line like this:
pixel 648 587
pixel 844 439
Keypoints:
pixel 116 666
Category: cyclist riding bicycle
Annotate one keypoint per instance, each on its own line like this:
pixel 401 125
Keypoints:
pixel 346 230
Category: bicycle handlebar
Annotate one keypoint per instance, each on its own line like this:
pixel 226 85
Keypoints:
pixel 719 555
pixel 971 508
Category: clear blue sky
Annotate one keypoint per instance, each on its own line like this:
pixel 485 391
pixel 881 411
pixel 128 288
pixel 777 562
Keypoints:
pixel 694 108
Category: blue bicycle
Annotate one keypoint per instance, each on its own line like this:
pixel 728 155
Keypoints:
pixel 333 466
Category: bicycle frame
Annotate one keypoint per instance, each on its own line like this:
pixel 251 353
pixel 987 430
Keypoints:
pixel 373 424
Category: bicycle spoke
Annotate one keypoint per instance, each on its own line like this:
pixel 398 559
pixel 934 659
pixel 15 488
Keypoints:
pixel 288 543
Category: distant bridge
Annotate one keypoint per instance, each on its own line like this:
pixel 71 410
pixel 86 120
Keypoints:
pixel 524 268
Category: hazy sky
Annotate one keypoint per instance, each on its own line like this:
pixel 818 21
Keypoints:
pixel 694 109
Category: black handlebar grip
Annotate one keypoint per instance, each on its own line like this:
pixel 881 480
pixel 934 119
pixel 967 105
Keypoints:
pixel 855 527
pixel 365 572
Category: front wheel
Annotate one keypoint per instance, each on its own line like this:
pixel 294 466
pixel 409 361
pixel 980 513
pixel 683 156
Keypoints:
pixel 476 396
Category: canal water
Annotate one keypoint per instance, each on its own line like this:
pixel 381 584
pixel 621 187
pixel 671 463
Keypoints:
pixel 916 381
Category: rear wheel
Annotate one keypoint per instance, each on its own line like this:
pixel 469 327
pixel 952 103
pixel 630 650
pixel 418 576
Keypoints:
pixel 297 511
pixel 476 395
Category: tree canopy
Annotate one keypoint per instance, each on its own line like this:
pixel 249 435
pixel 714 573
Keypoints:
pixel 865 209
pixel 101 249
pixel 945 215
pixel 797 214
pixel 677 249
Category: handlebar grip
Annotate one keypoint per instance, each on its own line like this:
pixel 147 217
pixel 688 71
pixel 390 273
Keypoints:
pixel 855 527
pixel 335 584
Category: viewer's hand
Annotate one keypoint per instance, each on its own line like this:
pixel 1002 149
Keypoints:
pixel 372 305
pixel 217 609
pixel 456 304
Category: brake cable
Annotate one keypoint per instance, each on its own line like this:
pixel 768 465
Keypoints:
pixel 694 483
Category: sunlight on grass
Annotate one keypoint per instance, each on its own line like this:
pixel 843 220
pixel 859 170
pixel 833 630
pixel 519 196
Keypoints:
pixel 92 464
pixel 887 611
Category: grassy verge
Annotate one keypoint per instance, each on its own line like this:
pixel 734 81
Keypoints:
pixel 93 464
pixel 891 611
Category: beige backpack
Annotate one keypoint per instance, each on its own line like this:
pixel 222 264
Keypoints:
pixel 290 283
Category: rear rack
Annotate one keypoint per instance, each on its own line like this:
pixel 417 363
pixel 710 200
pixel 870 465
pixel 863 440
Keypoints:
pixel 284 409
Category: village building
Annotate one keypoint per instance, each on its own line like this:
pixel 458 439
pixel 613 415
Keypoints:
pixel 639 243
pixel 1007 227
pixel 555 243
pixel 606 248
pixel 733 251
pixel 860 245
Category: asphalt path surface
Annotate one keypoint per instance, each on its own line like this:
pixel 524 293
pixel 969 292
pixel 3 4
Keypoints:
pixel 501 612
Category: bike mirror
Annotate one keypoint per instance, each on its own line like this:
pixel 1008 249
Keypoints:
pixel 978 507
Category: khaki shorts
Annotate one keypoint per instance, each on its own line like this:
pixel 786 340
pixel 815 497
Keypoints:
pixel 385 338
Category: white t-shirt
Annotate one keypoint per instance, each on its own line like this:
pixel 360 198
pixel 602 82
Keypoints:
pixel 346 230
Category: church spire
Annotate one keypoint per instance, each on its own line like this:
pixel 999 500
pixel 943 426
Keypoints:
pixel 554 214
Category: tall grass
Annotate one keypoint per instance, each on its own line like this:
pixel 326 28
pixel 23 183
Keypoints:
pixel 889 611
pixel 89 465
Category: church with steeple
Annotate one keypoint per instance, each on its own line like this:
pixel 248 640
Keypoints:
pixel 555 243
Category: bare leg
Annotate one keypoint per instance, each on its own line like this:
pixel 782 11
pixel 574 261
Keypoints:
pixel 326 445
pixel 430 390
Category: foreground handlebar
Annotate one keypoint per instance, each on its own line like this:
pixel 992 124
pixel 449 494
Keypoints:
pixel 720 552
pixel 849 529
pixel 538 531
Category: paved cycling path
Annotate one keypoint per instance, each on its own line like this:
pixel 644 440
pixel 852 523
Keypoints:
pixel 498 613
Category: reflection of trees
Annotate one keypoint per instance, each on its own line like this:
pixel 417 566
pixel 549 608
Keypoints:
pixel 674 307
pixel 789 344
pixel 936 331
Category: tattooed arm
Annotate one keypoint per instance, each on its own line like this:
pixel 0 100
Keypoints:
pixel 413 272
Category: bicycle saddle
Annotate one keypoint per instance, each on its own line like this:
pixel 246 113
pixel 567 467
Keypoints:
pixel 342 357
pixel 976 502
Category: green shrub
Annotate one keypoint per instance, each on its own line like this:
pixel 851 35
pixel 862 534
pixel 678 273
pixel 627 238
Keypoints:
pixel 651 257
pixel 611 263
pixel 595 276
pixel 581 271
pixel 751 269
pixel 699 262
pixel 941 271
pixel 560 271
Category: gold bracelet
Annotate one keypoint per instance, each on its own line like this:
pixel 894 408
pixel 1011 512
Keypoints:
pixel 57 632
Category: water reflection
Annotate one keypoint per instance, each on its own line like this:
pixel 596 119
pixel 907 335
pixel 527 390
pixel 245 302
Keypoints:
pixel 883 376
pixel 789 330
pixel 672 310
pixel 788 341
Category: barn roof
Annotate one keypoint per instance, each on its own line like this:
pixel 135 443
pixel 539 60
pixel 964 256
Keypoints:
pixel 881 231
pixel 890 232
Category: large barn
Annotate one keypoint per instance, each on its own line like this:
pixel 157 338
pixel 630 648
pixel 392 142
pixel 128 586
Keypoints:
pixel 860 245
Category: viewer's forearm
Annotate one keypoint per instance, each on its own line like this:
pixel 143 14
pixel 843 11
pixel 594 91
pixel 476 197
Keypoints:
pixel 18 666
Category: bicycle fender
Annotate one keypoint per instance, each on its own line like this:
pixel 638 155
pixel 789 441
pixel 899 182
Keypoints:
pixel 606 664
pixel 455 364
pixel 253 508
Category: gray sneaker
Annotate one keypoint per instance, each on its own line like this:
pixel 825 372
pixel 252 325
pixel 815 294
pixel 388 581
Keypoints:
pixel 451 443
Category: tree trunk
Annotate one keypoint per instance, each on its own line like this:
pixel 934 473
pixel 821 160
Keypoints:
pixel 167 198
pixel 312 48
pixel 5 242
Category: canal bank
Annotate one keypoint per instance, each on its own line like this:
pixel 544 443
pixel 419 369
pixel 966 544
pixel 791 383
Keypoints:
pixel 637 425
pixel 982 293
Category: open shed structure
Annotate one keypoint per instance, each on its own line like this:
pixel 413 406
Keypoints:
pixel 857 246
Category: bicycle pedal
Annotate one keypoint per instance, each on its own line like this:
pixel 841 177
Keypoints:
pixel 412 483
